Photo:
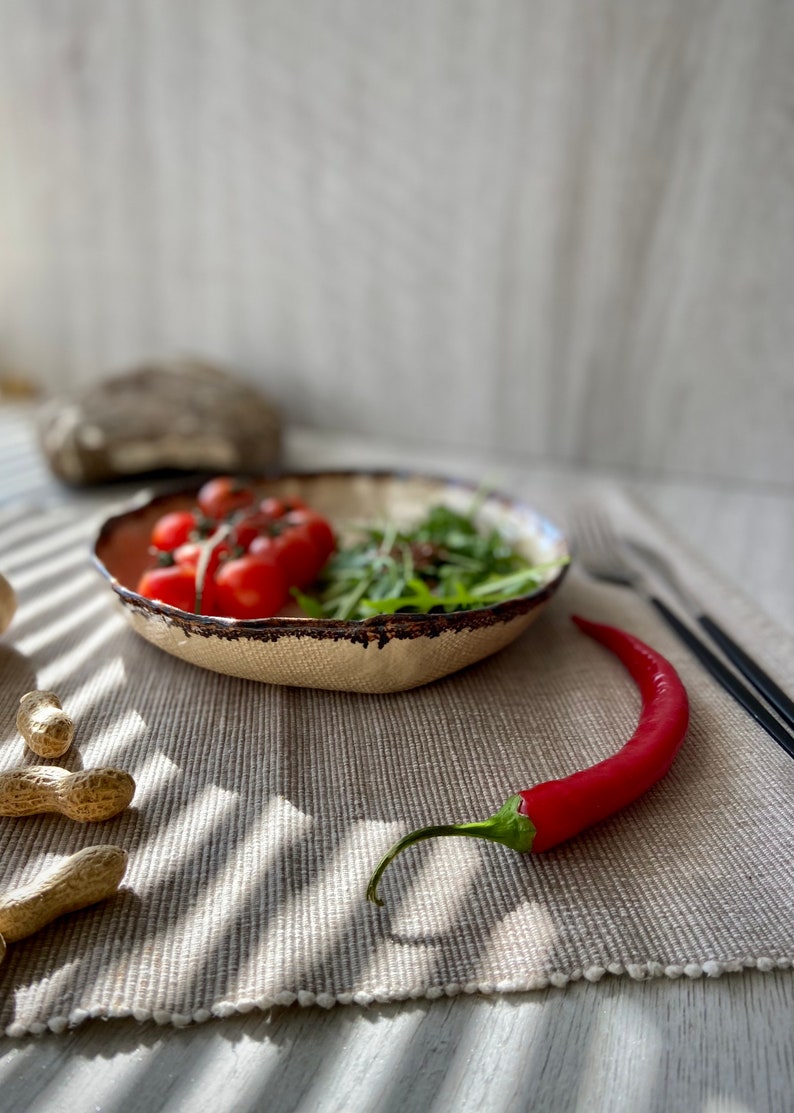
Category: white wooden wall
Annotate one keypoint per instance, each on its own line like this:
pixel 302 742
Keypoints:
pixel 564 228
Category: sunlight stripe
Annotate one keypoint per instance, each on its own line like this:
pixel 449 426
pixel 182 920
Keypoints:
pixel 54 631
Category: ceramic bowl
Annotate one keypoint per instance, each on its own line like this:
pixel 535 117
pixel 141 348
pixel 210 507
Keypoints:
pixel 385 653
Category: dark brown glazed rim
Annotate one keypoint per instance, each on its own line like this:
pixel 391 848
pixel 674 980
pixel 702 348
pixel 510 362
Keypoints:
pixel 378 628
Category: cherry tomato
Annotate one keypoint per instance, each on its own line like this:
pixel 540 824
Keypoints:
pixel 252 526
pixel 219 497
pixel 173 529
pixel 318 529
pixel 189 556
pixel 294 552
pixel 175 585
pixel 250 587
pixel 264 546
pixel 277 508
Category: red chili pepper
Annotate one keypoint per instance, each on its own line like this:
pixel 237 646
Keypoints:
pixel 541 817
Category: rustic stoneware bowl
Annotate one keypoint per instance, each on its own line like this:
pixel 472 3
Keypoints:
pixel 386 653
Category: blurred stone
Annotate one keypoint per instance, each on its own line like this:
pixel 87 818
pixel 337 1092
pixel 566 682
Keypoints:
pixel 183 415
pixel 16 388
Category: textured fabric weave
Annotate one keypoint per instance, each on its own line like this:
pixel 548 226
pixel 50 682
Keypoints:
pixel 260 812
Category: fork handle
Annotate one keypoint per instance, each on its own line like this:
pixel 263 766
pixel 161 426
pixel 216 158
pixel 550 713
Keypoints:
pixel 726 678
pixel 750 669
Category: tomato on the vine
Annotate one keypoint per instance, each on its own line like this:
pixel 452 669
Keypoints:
pixel 294 552
pixel 189 556
pixel 318 530
pixel 274 507
pixel 265 547
pixel 250 586
pixel 252 526
pixel 224 494
pixel 173 529
pixel 174 585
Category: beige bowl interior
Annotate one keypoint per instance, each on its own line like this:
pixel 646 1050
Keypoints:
pixel 382 654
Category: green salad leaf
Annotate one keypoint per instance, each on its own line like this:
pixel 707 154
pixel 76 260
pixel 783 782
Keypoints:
pixel 444 563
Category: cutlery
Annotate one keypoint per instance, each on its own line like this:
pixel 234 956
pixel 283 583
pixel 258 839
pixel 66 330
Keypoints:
pixel 601 554
pixel 749 668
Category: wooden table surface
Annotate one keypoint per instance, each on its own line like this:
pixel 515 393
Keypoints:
pixel 701 1046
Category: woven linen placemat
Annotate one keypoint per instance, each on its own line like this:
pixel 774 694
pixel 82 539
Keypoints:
pixel 260 812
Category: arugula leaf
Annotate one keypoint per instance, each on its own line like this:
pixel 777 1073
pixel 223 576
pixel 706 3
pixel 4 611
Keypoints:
pixel 443 564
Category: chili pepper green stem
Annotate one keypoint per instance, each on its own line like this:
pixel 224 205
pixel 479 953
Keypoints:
pixel 507 826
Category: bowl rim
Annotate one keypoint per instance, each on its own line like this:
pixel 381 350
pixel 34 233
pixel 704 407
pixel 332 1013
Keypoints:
pixel 381 626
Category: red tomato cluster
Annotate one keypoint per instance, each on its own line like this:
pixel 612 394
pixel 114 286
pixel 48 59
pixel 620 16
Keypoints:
pixel 257 549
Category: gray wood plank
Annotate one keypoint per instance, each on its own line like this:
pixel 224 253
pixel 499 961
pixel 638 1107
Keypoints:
pixel 721 1046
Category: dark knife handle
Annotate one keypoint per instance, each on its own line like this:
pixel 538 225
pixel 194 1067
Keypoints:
pixel 750 669
pixel 726 678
